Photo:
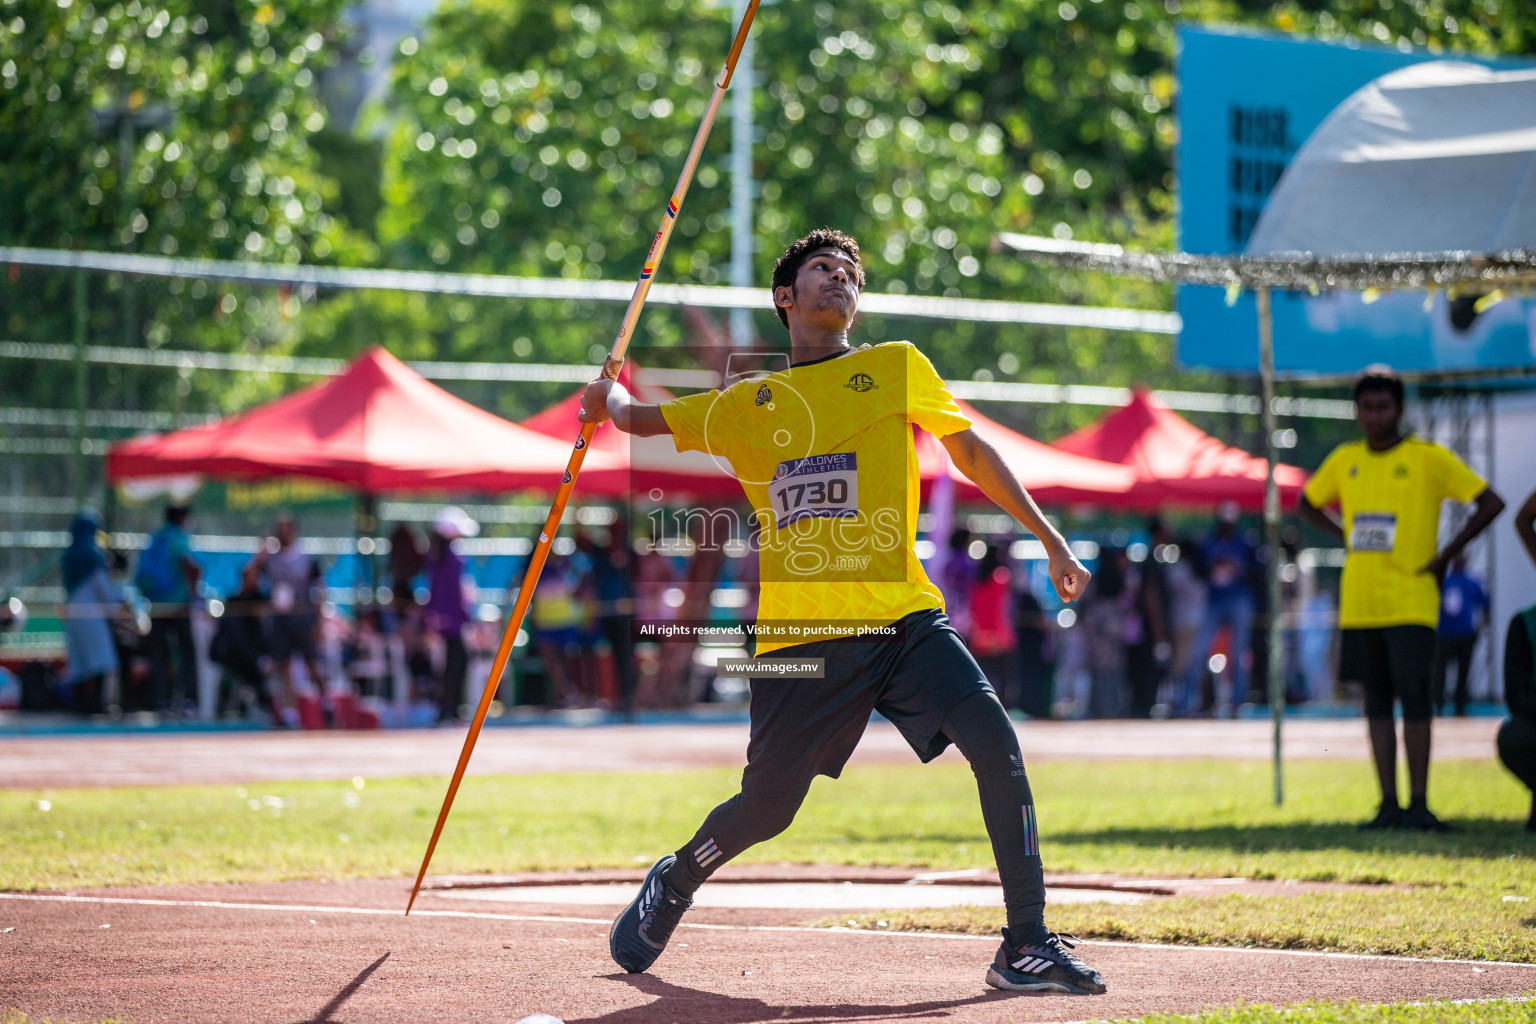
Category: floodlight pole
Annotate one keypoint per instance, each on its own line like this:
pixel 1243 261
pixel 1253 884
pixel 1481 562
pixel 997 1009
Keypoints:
pixel 741 331
pixel 1276 666
pixel 82 314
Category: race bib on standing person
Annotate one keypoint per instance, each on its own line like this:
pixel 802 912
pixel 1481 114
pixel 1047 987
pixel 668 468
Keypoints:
pixel 817 486
pixel 1373 531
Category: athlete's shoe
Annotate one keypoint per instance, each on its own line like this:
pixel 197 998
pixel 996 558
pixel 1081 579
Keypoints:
pixel 1388 817
pixel 1043 967
pixel 641 932
pixel 1419 818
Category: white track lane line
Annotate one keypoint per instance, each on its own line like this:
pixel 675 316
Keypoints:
pixel 486 916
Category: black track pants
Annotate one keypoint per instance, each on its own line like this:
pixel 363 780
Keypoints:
pixel 980 728
pixel 1517 749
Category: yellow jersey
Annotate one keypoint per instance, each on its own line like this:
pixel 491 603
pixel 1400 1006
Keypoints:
pixel 1391 505
pixel 825 455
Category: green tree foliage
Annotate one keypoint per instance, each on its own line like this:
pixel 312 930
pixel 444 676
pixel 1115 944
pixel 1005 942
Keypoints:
pixel 1442 26
pixel 161 127
pixel 543 138
pixel 178 128
pixel 221 103
pixel 539 140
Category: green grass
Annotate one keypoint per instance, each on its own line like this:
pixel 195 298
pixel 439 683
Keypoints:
pixel 1210 821
pixel 1449 921
pixel 1491 1012
pixel 1205 819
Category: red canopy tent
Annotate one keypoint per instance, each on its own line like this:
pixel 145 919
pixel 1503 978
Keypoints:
pixel 1052 477
pixel 377 427
pixel 1175 462
pixel 652 462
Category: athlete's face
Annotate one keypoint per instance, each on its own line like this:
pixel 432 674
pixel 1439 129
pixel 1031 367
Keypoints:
pixel 826 288
pixel 1378 414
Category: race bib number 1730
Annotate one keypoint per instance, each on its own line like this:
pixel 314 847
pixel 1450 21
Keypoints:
pixel 817 486
pixel 1373 531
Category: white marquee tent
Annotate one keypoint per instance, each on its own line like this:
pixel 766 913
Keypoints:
pixel 1437 157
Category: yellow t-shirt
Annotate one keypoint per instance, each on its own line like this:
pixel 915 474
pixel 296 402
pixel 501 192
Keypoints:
pixel 1391 505
pixel 824 453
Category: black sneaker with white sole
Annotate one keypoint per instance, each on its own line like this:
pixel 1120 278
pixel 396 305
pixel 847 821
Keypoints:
pixel 1046 966
pixel 641 932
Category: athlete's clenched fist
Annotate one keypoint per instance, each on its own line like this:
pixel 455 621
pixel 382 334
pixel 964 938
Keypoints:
pixel 1068 574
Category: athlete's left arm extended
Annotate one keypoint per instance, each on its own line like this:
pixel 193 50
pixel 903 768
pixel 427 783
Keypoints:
pixel 984 466
pixel 1485 509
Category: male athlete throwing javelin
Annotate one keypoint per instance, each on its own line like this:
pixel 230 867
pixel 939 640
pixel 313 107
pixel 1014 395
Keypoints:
pixel 824 452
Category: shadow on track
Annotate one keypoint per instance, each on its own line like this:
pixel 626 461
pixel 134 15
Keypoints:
pixel 678 1003
pixel 1480 837
pixel 324 1016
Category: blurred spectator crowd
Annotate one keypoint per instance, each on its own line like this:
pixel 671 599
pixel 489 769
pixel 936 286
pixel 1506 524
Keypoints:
pixel 278 647
pixel 1171 626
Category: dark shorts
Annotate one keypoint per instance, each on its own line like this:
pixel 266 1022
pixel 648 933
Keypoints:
pixel 293 634
pixel 807 727
pixel 1517 749
pixel 1390 662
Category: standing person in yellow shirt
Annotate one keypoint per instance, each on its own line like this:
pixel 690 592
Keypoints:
pixel 1389 487
pixel 825 455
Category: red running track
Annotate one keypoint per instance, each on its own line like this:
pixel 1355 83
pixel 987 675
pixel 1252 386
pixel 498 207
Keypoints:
pixel 312 951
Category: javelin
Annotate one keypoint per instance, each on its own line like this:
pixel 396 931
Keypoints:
pixel 610 370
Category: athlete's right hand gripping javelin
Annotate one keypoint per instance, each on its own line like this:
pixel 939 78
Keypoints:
pixel 595 399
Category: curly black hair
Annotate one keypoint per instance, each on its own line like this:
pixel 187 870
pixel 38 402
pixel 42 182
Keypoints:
pixel 1380 377
pixel 788 265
